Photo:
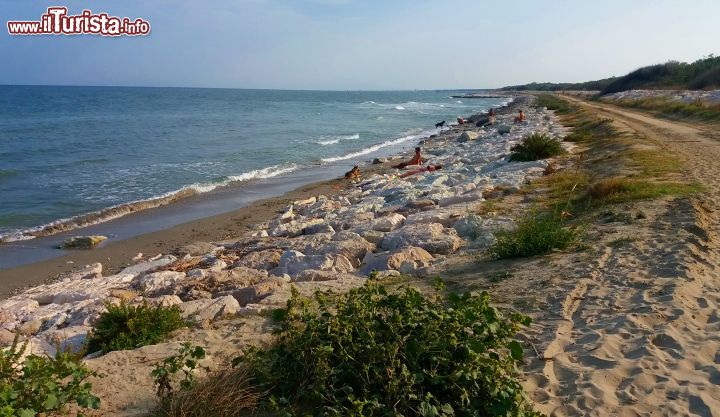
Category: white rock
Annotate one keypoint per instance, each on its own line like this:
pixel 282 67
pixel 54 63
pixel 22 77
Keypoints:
pixel 467 136
pixel 146 266
pixel 392 260
pixel 158 281
pixel 432 237
pixel 212 309
pixel 387 223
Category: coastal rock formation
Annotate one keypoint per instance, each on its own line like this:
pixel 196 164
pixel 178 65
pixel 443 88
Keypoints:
pixel 467 136
pixel 82 242
pixel 393 260
pixel 433 237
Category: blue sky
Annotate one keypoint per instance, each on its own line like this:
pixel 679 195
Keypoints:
pixel 356 44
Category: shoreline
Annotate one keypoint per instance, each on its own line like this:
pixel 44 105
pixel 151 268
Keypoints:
pixel 115 254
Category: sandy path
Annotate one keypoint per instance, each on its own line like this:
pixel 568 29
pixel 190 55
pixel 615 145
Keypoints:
pixel 640 334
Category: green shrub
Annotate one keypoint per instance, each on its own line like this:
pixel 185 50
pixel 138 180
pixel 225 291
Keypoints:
pixel 124 326
pixel 375 353
pixel 536 146
pixel 42 384
pixel 536 234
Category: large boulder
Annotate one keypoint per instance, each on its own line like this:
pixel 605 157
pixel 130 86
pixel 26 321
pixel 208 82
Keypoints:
pixel 210 309
pixel 433 237
pixel 393 260
pixel 354 248
pixel 82 242
pixel 387 223
pixel 294 262
pixel 259 291
pixel 467 136
pixel 148 266
pixel 264 259
pixel 469 197
pixel 158 282
pixel 68 339
pixel 469 227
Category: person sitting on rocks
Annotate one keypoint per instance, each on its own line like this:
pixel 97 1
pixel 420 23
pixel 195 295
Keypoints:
pixel 416 160
pixel 520 118
pixel 491 116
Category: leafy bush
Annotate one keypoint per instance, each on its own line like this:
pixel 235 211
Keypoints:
pixel 125 326
pixel 375 353
pixel 536 146
pixel 42 384
pixel 185 361
pixel 536 234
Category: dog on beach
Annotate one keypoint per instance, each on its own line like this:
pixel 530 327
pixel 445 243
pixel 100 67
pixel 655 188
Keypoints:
pixel 353 174
pixel 441 124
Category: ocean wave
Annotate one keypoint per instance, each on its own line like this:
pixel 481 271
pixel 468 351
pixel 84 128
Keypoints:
pixel 377 147
pixel 333 139
pixel 121 210
pixel 399 108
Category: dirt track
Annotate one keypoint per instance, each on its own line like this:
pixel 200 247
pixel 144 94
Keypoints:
pixel 639 331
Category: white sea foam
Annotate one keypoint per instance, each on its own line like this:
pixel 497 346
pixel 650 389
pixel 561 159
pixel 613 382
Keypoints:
pixel 399 108
pixel 379 146
pixel 332 140
pixel 120 210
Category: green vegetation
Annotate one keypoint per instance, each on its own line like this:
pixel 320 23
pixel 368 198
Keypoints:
pixel 41 384
pixel 372 352
pixel 185 361
pixel 553 102
pixel 536 146
pixel 701 74
pixel 619 190
pixel 125 326
pixel 666 107
pixel 536 234
pixel 586 86
pixel 226 393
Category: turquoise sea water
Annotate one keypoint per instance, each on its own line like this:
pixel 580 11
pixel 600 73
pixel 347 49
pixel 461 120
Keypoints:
pixel 69 151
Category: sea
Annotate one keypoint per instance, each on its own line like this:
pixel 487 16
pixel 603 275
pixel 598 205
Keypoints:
pixel 75 156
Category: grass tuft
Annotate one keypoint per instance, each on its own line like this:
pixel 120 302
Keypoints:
pixel 228 393
pixel 535 234
pixel 619 190
pixel 536 146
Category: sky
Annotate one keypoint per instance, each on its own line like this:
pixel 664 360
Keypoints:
pixel 360 44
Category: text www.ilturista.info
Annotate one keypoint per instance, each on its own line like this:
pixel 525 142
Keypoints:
pixel 57 22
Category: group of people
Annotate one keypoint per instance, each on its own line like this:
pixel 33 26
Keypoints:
pixel 418 160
